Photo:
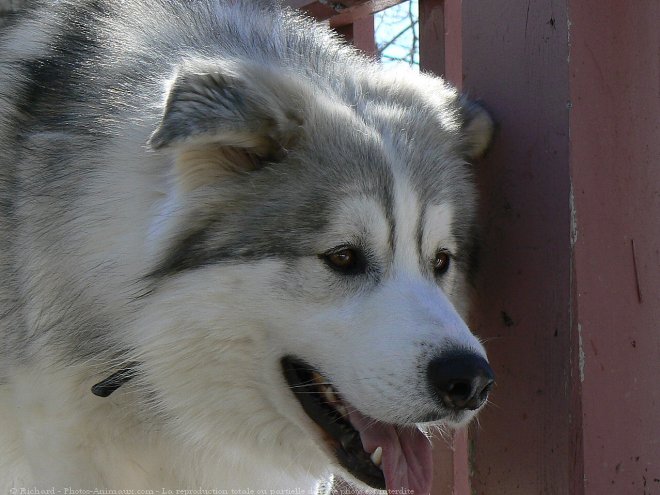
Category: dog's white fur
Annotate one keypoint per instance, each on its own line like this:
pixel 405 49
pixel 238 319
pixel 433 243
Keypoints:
pixel 210 407
pixel 242 425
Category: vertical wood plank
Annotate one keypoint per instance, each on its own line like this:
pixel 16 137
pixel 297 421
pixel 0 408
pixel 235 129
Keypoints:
pixel 514 56
pixel 432 36
pixel 453 42
pixel 443 466
pixel 615 171
pixel 361 34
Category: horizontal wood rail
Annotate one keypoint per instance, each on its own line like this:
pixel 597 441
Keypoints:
pixel 345 12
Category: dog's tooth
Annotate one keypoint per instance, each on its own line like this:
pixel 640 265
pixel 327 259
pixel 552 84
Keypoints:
pixel 329 395
pixel 341 409
pixel 377 456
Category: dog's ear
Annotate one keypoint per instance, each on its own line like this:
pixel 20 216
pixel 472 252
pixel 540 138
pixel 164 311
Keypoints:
pixel 477 129
pixel 228 118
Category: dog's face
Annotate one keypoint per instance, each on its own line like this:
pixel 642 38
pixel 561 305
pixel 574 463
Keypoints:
pixel 312 275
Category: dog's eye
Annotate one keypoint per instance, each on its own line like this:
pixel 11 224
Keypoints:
pixel 441 262
pixel 345 260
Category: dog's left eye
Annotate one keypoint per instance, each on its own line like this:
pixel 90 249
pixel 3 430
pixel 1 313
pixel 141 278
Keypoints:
pixel 345 260
pixel 441 262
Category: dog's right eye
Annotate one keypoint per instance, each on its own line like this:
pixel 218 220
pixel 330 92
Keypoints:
pixel 346 260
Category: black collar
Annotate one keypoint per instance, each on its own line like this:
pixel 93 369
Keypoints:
pixel 105 387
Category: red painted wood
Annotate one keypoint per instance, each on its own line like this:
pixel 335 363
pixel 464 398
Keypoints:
pixel 361 33
pixel 451 471
pixel 339 4
pixel 615 168
pixel 453 42
pixel 299 4
pixel 443 466
pixel 461 464
pixel 342 13
pixel 432 36
pixel 512 54
pixel 352 14
pixel 318 10
pixel 575 339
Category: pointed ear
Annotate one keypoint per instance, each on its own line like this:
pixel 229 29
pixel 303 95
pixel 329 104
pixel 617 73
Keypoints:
pixel 477 129
pixel 226 118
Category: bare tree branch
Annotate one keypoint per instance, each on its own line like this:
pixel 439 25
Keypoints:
pixel 397 37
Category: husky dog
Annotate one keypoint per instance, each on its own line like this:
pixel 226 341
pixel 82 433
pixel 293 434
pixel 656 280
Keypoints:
pixel 234 253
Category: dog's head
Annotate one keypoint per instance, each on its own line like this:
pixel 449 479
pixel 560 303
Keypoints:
pixel 314 249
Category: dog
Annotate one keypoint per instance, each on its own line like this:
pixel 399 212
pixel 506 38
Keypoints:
pixel 235 254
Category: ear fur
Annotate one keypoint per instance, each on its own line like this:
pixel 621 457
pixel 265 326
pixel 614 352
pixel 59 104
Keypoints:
pixel 226 118
pixel 477 129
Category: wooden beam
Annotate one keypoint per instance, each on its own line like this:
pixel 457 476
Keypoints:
pixel 360 11
pixel 299 4
pixel 344 12
pixel 361 34
pixel 513 56
pixel 432 36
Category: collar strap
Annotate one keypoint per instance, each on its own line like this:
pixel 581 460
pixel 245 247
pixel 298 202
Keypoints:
pixel 105 387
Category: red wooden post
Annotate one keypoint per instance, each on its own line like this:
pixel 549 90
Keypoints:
pixel 440 39
pixel 514 56
pixel 361 33
pixel 432 36
pixel 615 172
pixel 570 281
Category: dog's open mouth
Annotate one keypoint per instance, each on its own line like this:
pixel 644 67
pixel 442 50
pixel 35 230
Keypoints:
pixel 383 456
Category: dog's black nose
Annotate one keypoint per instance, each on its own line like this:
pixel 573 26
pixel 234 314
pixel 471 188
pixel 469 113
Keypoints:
pixel 461 380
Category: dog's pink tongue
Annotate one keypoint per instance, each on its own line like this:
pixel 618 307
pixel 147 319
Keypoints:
pixel 407 463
